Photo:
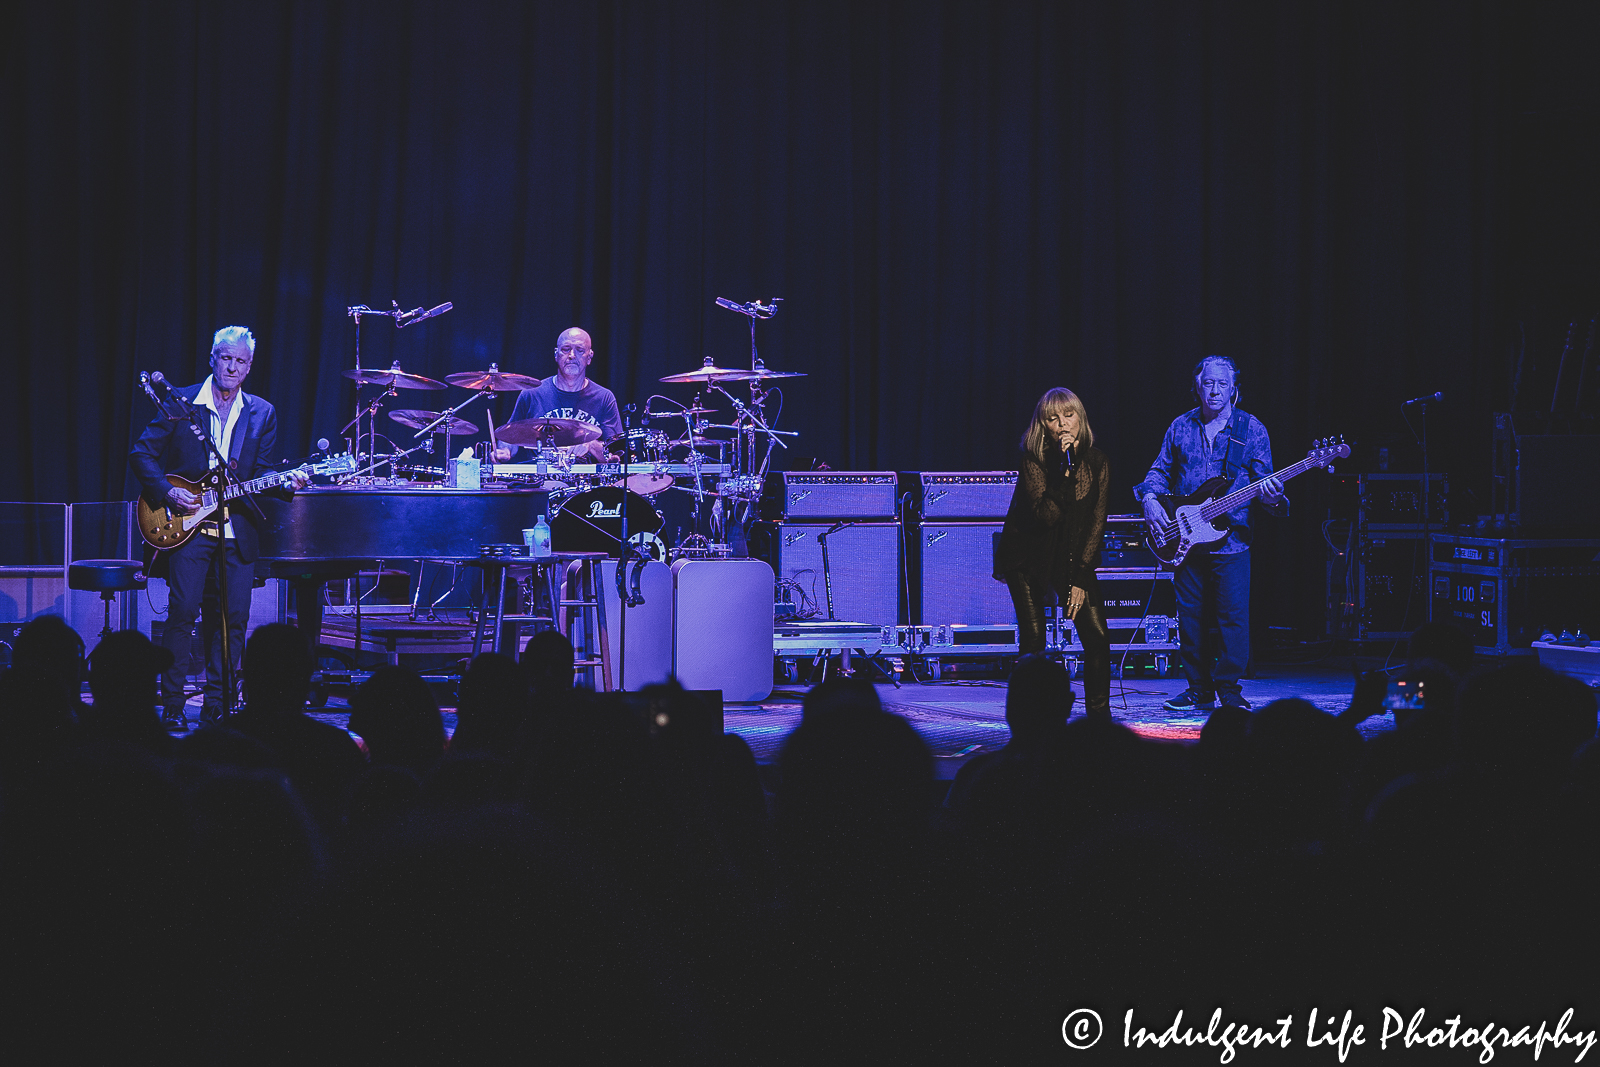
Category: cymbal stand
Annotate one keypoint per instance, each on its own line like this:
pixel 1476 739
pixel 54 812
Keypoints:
pixel 445 417
pixel 695 459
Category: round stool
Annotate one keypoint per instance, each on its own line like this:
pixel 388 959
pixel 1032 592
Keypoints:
pixel 106 577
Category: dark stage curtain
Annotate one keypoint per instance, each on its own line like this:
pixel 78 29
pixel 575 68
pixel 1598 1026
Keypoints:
pixel 962 203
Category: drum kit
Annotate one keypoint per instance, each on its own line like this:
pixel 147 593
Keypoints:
pixel 722 465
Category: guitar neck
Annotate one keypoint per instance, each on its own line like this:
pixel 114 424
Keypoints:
pixel 1224 504
pixel 255 485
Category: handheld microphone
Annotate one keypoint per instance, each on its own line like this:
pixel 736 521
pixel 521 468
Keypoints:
pixel 1431 398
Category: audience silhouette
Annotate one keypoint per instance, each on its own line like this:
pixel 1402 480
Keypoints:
pixel 597 877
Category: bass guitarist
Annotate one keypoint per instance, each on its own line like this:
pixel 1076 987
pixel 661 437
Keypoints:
pixel 245 430
pixel 1213 581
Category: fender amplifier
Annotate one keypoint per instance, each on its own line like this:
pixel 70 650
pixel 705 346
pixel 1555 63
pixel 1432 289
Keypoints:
pixel 839 494
pixel 864 561
pixel 958 584
pixel 967 494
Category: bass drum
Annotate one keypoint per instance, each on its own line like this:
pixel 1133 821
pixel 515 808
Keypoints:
pixel 591 521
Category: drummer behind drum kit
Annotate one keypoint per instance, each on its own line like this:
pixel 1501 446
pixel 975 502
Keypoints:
pixel 589 500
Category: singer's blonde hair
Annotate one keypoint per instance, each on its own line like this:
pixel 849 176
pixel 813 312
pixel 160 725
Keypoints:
pixel 1037 440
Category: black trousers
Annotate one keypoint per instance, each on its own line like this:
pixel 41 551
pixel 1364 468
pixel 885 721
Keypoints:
pixel 187 570
pixel 1030 603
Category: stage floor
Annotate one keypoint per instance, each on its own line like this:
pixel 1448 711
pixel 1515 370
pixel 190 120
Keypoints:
pixel 959 719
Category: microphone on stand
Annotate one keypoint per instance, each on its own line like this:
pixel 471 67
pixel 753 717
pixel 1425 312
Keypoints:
pixel 836 527
pixel 159 380
pixel 411 318
pixel 1431 398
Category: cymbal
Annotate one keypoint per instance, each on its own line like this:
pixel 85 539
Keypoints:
pixel 494 379
pixel 763 373
pixel 546 432
pixel 394 377
pixel 417 419
pixel 710 372
pixel 680 413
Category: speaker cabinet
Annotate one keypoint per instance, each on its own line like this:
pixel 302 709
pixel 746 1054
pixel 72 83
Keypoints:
pixel 957 576
pixel 722 627
pixel 649 624
pixel 864 561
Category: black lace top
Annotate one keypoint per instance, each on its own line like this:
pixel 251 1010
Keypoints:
pixel 1056 521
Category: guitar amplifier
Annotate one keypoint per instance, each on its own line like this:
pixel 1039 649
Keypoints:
pixel 967 494
pixel 839 495
pixel 864 561
pixel 957 576
pixel 1122 545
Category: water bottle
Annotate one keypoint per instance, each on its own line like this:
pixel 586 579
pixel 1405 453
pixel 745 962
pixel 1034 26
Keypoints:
pixel 541 538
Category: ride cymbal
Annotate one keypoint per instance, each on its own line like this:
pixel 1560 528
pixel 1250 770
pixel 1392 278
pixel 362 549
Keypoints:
pixel 546 432
pixel 394 378
pixel 494 380
pixel 417 420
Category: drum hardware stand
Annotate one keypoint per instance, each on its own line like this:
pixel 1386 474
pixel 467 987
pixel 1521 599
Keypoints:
pixel 751 419
pixel 625 598
pixel 402 319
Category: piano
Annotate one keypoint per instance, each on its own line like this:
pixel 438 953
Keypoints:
pixel 327 533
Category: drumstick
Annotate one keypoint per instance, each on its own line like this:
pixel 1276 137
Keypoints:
pixel 494 446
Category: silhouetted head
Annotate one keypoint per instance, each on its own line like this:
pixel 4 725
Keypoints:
pixel 1038 698
pixel 277 668
pixel 124 670
pixel 1523 720
pixel 841 696
pixel 547 662
pixel 395 713
pixel 493 704
pixel 1442 641
pixel 50 650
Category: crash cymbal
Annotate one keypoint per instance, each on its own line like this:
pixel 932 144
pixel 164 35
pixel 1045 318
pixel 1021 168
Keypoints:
pixel 680 413
pixel 394 377
pixel 493 379
pixel 763 373
pixel 417 420
pixel 546 432
pixel 710 372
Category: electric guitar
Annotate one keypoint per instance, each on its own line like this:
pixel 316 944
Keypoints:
pixel 1190 518
pixel 166 528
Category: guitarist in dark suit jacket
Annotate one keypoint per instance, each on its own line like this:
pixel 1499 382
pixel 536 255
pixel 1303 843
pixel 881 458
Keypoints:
pixel 245 428
pixel 1213 584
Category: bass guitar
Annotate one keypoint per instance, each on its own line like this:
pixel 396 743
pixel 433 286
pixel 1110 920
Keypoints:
pixel 166 528
pixel 1190 518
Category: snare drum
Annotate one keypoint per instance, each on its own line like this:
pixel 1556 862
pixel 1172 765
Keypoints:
pixel 649 446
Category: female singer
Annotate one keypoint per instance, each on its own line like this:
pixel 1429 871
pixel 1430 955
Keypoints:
pixel 1051 542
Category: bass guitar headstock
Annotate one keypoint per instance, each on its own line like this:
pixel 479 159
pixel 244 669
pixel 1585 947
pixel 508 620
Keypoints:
pixel 1323 452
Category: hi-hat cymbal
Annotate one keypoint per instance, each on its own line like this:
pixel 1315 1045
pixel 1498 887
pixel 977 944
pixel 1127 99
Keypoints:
pixel 546 432
pixel 710 372
pixel 494 379
pixel 417 420
pixel 394 377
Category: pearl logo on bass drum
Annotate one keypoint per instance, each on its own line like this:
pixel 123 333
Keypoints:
pixel 598 510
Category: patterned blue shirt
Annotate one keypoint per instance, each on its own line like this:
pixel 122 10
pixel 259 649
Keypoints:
pixel 1187 461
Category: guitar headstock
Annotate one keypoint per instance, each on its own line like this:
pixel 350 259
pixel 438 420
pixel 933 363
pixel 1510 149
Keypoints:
pixel 1324 451
pixel 343 463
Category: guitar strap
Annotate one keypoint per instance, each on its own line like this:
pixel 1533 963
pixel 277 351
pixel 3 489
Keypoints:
pixel 1233 463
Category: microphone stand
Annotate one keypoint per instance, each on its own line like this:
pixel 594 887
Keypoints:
pixel 827 585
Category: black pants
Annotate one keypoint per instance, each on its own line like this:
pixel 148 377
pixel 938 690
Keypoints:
pixel 187 570
pixel 1214 589
pixel 1030 603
